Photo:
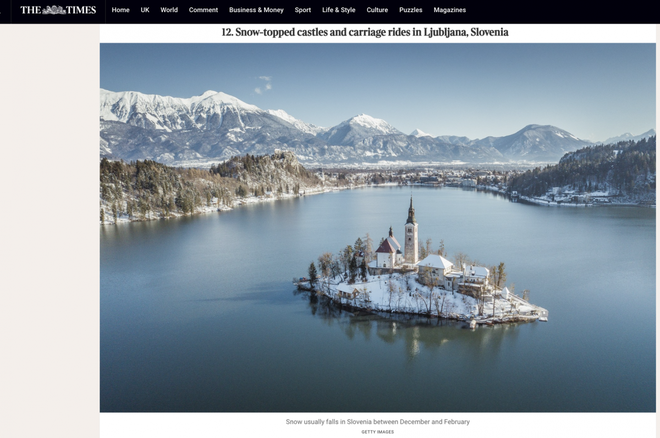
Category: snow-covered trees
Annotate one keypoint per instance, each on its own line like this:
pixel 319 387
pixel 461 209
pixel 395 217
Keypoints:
pixel 142 190
pixel 625 168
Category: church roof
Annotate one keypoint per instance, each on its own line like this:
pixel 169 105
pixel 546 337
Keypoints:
pixel 386 247
pixel 394 242
pixel 390 244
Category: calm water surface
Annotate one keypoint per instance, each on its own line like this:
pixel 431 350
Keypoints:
pixel 199 314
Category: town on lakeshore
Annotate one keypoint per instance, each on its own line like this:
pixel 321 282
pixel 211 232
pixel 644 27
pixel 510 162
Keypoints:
pixel 417 281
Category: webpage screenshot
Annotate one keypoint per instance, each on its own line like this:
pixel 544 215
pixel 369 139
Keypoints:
pixel 337 220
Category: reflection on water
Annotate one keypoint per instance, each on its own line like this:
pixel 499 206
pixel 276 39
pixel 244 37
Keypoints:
pixel 416 332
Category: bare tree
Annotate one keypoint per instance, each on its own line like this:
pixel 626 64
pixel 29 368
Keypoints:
pixel 335 267
pixel 500 276
pixel 441 249
pixel 368 247
pixel 460 259
pixel 325 266
pixel 325 263
pixel 512 290
pixel 494 302
pixel 390 288
pixel 428 301
pixel 439 302
pixel 366 296
pixel 422 250
pixel 481 299
pixel 400 295
pixel 449 308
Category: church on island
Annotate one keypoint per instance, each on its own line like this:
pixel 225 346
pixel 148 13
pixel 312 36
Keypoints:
pixel 434 269
pixel 388 255
pixel 398 281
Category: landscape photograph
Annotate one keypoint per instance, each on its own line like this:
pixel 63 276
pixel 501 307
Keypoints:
pixel 377 228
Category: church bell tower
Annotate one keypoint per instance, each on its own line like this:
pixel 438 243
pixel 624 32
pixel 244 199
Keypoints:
pixel 411 246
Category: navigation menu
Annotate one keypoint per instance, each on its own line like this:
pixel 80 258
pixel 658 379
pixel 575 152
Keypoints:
pixel 381 12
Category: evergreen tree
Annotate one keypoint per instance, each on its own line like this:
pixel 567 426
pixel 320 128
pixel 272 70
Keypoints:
pixel 363 269
pixel 346 255
pixel 313 276
pixel 241 192
pixel 352 269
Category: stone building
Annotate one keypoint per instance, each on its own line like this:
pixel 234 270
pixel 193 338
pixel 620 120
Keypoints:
pixel 389 257
pixel 388 254
pixel 437 270
pixel 412 240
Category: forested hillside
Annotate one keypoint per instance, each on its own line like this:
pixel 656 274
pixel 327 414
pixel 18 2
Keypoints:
pixel 625 169
pixel 145 190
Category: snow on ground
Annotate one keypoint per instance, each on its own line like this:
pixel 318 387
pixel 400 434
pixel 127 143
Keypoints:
pixel 544 200
pixel 404 294
pixel 407 295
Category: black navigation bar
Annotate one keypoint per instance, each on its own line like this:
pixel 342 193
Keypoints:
pixel 378 12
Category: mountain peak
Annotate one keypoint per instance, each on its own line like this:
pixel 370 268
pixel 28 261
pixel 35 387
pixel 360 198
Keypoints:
pixel 223 99
pixel 372 123
pixel 364 118
pixel 420 133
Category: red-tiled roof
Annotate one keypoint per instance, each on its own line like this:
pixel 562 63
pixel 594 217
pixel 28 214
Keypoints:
pixel 386 247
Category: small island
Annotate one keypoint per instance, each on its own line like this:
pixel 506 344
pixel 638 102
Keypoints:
pixel 417 281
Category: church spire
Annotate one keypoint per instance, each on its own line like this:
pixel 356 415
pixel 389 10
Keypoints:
pixel 411 213
pixel 412 240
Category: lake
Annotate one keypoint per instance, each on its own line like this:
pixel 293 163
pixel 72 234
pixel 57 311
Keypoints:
pixel 199 314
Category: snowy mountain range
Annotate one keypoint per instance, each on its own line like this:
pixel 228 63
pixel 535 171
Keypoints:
pixel 215 126
pixel 628 136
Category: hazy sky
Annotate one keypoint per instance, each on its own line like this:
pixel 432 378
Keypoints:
pixel 594 91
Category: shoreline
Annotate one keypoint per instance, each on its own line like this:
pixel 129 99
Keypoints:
pixel 239 202
pixel 548 203
pixel 123 219
pixel 401 294
pixel 316 191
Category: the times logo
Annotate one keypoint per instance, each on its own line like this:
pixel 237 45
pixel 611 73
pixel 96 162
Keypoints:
pixel 58 10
